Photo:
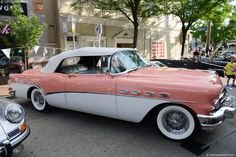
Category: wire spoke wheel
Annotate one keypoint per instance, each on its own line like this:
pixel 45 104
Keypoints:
pixel 175 122
pixel 38 100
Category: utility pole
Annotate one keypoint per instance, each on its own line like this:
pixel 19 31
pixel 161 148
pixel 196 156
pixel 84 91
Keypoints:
pixel 208 37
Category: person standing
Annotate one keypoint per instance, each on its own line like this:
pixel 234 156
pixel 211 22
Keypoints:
pixel 230 69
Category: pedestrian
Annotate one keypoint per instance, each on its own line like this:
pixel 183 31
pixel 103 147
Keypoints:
pixel 203 57
pixel 196 55
pixel 230 70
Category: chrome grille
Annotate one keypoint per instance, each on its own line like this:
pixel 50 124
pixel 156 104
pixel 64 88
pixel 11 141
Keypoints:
pixel 13 133
pixel 223 96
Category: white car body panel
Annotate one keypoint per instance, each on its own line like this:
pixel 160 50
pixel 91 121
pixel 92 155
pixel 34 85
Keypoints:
pixel 21 90
pixel 134 109
pixel 99 104
pixel 57 100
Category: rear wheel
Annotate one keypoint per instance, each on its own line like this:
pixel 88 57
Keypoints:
pixel 175 122
pixel 38 100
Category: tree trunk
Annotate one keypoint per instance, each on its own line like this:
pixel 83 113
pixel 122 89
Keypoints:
pixel 184 32
pixel 135 39
pixel 214 52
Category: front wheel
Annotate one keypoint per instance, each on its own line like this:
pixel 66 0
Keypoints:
pixel 38 100
pixel 175 122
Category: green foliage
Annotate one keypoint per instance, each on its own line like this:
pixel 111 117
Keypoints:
pixel 26 31
pixel 189 11
pixel 221 30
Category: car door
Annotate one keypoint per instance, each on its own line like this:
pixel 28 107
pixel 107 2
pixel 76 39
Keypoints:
pixel 92 91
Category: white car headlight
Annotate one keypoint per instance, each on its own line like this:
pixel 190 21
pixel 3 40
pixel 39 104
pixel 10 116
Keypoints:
pixel 14 113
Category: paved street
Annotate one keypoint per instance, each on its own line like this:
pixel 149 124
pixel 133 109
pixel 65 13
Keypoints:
pixel 64 133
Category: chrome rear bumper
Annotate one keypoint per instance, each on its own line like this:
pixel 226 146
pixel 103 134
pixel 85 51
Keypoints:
pixel 226 111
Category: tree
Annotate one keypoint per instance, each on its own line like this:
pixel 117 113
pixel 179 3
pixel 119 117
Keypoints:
pixel 25 31
pixel 136 11
pixel 222 31
pixel 189 11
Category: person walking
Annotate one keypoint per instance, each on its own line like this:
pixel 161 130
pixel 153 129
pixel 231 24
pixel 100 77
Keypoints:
pixel 230 70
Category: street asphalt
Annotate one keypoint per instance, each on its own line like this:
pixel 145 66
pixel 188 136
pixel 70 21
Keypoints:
pixel 64 133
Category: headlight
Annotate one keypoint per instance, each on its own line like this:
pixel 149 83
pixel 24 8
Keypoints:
pixel 14 113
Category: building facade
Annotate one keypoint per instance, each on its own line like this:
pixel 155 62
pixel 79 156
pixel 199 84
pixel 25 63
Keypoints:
pixel 157 38
pixel 68 29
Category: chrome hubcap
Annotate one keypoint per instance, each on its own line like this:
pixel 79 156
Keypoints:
pixel 38 99
pixel 175 122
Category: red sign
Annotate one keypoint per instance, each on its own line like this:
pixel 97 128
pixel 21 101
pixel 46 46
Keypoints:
pixel 154 50
pixel 5 30
pixel 158 50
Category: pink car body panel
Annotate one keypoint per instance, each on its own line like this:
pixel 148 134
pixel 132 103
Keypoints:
pixel 182 86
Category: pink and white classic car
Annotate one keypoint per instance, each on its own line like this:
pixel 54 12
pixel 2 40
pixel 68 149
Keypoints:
pixel 118 83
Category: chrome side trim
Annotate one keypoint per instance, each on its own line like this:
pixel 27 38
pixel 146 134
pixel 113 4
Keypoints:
pixel 149 93
pixel 123 91
pixel 135 92
pixel 164 95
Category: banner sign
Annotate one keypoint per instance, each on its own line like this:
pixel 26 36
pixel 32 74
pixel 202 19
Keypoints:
pixel 5 30
pixel 158 50
pixel 6 52
pixel 5 9
pixel 73 25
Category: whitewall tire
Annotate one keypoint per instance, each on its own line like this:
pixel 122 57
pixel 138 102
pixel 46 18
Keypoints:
pixel 175 122
pixel 38 100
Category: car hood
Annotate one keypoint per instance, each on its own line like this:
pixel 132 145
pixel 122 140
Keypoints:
pixel 178 75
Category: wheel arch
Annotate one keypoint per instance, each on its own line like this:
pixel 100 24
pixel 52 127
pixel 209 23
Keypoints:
pixel 157 108
pixel 31 89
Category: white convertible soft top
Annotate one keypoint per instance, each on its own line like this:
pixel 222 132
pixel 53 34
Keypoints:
pixel 86 51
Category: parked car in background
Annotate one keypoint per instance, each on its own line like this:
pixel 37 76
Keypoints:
pixel 13 127
pixel 12 65
pixel 218 67
pixel 118 83
pixel 157 64
pixel 225 56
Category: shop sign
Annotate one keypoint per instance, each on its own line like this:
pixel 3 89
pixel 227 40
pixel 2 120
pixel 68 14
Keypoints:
pixel 5 30
pixel 5 9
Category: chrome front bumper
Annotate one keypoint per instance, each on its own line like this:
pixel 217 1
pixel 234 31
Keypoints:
pixel 11 91
pixel 226 111
pixel 8 146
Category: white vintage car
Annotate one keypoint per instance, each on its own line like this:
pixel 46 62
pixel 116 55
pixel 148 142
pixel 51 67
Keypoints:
pixel 13 128
pixel 118 83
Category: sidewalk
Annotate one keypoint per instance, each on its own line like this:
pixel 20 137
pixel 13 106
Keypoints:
pixel 4 88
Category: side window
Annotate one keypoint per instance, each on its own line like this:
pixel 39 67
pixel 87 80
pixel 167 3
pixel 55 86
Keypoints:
pixel 95 64
pixel 71 66
pixel 116 64
pixel 70 61
pixel 104 64
pixel 84 65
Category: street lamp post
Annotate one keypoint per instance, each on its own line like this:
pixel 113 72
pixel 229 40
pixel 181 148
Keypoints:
pixel 208 38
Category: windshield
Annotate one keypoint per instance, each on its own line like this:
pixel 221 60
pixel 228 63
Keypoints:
pixel 126 61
